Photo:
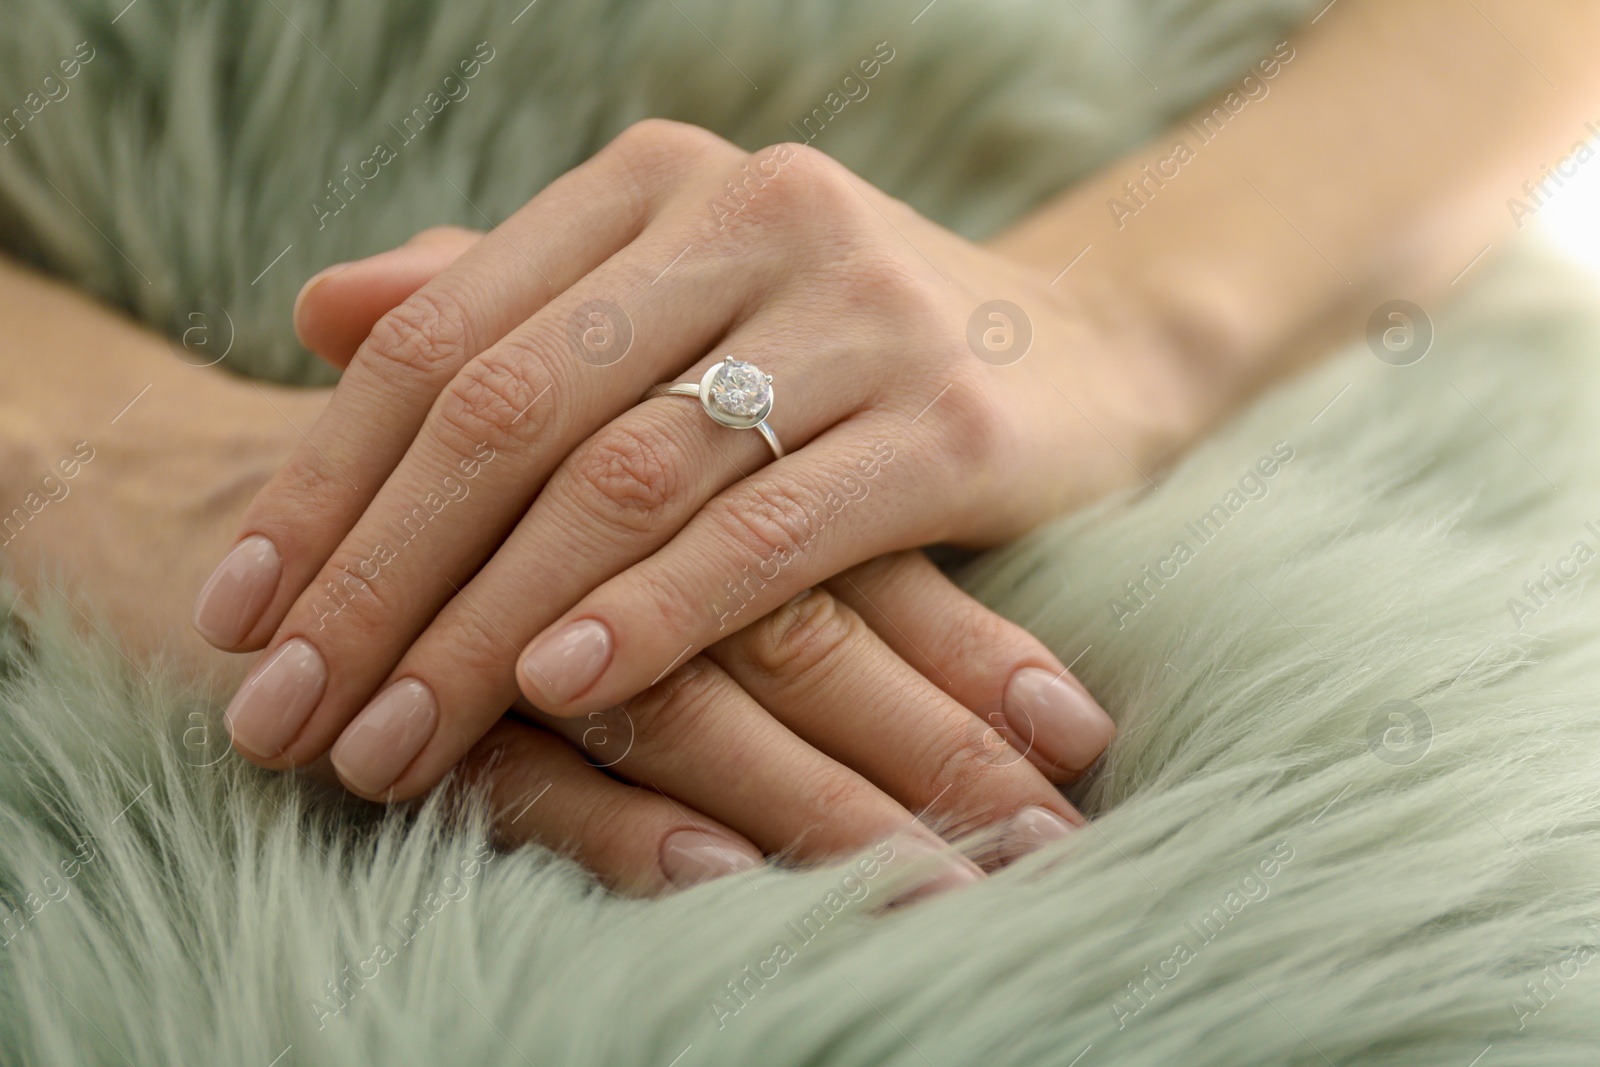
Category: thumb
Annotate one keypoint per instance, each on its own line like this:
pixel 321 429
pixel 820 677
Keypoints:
pixel 338 307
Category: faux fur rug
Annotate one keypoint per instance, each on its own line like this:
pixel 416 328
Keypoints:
pixel 1352 812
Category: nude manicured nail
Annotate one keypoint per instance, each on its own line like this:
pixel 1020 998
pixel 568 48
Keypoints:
pixel 238 591
pixel 1033 827
pixel 277 699
pixel 567 662
pixel 386 736
pixel 1064 723
pixel 935 867
pixel 692 856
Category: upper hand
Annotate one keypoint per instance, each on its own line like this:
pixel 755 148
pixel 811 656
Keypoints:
pixel 484 484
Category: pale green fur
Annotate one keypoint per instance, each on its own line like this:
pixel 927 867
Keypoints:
pixel 1415 901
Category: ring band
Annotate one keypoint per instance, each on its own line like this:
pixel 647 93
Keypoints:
pixel 735 394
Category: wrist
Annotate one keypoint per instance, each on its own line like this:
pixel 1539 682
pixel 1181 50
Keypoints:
pixel 1148 360
pixel 1174 328
pixel 1100 404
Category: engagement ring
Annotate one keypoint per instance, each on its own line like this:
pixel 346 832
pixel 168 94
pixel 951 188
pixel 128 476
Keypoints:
pixel 735 394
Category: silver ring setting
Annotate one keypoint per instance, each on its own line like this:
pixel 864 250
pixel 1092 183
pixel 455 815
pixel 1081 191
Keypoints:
pixel 735 394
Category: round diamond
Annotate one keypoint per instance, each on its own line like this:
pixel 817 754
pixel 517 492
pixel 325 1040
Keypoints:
pixel 739 389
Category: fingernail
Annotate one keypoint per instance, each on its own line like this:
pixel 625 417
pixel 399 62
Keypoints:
pixel 386 736
pixel 567 662
pixel 932 866
pixel 312 282
pixel 238 591
pixel 1033 827
pixel 277 698
pixel 689 857
pixel 1060 720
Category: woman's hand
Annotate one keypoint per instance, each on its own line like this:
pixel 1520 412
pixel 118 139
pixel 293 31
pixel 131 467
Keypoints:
pixel 398 553
pixel 797 771
pixel 169 455
pixel 761 745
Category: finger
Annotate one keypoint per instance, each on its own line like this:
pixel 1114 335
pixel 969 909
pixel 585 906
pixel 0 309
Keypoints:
pixel 295 523
pixel 815 665
pixel 333 314
pixel 998 670
pixel 619 496
pixel 401 564
pixel 635 840
pixel 338 307
pixel 379 590
pixel 789 526
pixel 770 786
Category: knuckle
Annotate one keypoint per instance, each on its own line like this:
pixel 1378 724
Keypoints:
pixel 762 518
pixel 669 711
pixel 977 643
pixel 494 400
pixel 677 605
pixel 962 763
pixel 874 278
pixel 668 598
pixel 803 635
pixel 660 134
pixel 345 598
pixel 967 427
pixel 469 642
pixel 787 189
pixel 306 494
pixel 653 145
pixel 628 475
pixel 835 792
pixel 606 820
pixel 422 336
pixel 816 174
pixel 879 572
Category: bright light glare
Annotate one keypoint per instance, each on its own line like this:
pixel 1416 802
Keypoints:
pixel 1570 217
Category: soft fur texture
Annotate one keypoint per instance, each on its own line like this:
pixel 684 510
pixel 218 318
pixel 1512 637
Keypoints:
pixel 1419 879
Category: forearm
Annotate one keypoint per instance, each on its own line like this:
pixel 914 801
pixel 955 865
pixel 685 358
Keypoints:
pixel 67 367
pixel 123 469
pixel 1375 164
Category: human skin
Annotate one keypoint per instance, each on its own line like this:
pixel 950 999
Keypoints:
pixel 1373 143
pixel 1367 173
pixel 176 451
pixel 803 778
pixel 179 450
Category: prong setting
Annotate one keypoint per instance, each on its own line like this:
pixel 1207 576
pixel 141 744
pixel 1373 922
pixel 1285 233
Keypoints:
pixel 736 394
